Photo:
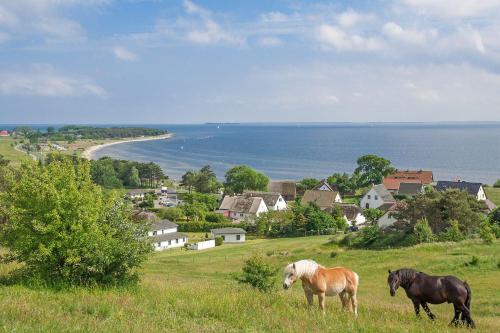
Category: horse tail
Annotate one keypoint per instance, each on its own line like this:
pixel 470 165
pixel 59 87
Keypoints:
pixel 467 299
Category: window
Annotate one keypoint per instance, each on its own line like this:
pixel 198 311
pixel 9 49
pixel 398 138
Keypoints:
pixel 369 197
pixel 238 237
pixel 158 244
pixel 183 239
pixel 367 205
pixel 223 237
pixel 169 242
pixel 177 241
pixel 241 214
pixel 376 197
pixel 154 233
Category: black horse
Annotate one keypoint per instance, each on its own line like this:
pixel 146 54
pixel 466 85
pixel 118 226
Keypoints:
pixel 422 289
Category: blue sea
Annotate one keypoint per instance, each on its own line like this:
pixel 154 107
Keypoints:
pixel 466 151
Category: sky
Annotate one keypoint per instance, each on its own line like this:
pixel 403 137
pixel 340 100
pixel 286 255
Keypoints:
pixel 195 61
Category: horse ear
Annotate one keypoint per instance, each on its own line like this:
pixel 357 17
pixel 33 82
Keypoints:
pixel 390 271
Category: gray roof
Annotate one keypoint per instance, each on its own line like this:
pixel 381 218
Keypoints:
pixel 410 188
pixel 383 193
pixel 241 204
pixel 472 188
pixel 221 231
pixel 270 198
pixel 163 224
pixel 168 236
pixel 287 188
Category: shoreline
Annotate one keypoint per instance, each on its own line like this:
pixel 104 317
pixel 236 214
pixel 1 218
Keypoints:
pixel 90 151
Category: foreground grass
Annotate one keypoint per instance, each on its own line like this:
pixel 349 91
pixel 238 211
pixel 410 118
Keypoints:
pixel 493 193
pixel 196 292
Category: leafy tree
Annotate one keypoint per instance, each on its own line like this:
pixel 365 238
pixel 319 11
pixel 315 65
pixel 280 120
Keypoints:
pixel 194 211
pixel 218 241
pixel 172 213
pixel 242 177
pixel 258 273
pixel 206 181
pixel 188 180
pixel 63 229
pixel 373 214
pixel 307 184
pixel 104 174
pixel 452 233
pixel 497 183
pixel 423 231
pixel 343 182
pixel 486 232
pixel 50 130
pixel 372 169
pixel 210 201
pixel 133 179
pixel 216 218
pixel 494 216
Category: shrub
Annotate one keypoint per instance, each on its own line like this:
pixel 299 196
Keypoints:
pixel 497 183
pixel 423 231
pixel 64 230
pixel 203 226
pixel 473 262
pixel 452 233
pixel 258 273
pixel 486 233
pixel 172 214
pixel 216 218
pixel 218 241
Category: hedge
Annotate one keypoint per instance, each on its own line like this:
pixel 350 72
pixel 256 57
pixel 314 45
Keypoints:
pixel 204 226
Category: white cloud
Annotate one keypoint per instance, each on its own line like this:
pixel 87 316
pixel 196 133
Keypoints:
pixel 478 42
pixel 351 18
pixel 59 27
pixel 331 36
pixel 411 36
pixel 44 81
pixel 6 17
pixel 274 17
pixel 269 41
pixel 122 53
pixel 455 8
pixel 4 37
pixel 209 32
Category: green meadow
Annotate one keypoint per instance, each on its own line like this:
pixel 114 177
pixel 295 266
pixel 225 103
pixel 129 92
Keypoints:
pixel 187 291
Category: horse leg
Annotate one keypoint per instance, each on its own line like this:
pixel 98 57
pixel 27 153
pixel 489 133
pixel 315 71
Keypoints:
pixel 428 311
pixel 466 316
pixel 321 299
pixel 344 298
pixel 309 297
pixel 416 305
pixel 354 302
pixel 454 321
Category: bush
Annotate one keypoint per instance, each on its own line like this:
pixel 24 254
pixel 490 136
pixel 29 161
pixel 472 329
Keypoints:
pixel 216 218
pixel 63 229
pixel 259 274
pixel 172 214
pixel 452 233
pixel 423 231
pixel 486 233
pixel 203 226
pixel 497 183
pixel 218 241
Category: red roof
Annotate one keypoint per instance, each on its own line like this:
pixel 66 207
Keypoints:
pixel 4 133
pixel 392 184
pixel 408 176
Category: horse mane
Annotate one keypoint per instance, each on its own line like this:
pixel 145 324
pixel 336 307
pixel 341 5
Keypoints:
pixel 406 276
pixel 306 268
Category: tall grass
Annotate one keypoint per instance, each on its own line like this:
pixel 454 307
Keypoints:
pixel 196 292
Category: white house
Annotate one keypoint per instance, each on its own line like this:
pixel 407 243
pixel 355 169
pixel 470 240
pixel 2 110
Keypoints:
pixel 352 214
pixel 136 194
pixel 376 197
pixel 203 245
pixel 230 235
pixel 388 219
pixel 165 236
pixel 242 207
pixel 474 189
pixel 273 200
pixel 324 186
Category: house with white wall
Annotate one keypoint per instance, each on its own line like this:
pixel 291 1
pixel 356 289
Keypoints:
pixel 376 197
pixel 324 186
pixel 230 235
pixel 273 200
pixel 203 245
pixel 474 189
pixel 388 218
pixel 241 207
pixel 353 215
pixel 164 235
pixel 136 194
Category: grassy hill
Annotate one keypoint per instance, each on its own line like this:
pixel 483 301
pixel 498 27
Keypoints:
pixel 8 151
pixel 493 193
pixel 196 292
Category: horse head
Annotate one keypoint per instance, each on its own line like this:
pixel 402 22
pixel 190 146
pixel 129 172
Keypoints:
pixel 394 282
pixel 290 276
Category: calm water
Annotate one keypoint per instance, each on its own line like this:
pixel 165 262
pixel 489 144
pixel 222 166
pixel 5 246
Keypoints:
pixel 468 151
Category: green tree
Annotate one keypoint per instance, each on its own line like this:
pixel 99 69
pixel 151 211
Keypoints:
pixel 206 181
pixel 497 183
pixel 194 211
pixel 494 216
pixel 133 179
pixel 258 273
pixel 307 184
pixel 172 214
pixel 104 174
pixel 344 183
pixel 372 169
pixel 373 214
pixel 486 232
pixel 423 231
pixel 63 229
pixel 242 177
pixel 50 130
pixel 452 233
pixel 210 201
pixel 188 180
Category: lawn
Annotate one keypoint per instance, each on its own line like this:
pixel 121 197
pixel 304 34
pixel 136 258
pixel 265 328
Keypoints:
pixel 196 292
pixel 8 151
pixel 493 193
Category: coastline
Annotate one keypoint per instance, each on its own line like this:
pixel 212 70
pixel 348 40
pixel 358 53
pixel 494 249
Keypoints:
pixel 90 151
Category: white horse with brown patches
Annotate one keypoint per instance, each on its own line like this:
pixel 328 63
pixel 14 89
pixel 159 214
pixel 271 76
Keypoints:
pixel 321 281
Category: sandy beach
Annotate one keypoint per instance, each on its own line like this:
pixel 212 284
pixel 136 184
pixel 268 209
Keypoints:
pixel 88 153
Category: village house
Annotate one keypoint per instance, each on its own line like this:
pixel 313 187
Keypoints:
pixel 353 214
pixel 392 182
pixel 388 219
pixel 165 236
pixel 323 199
pixel 474 189
pixel 376 197
pixel 136 194
pixel 168 198
pixel 410 189
pixel 4 133
pixel 324 186
pixel 230 235
pixel 242 207
pixel 273 200
pixel 287 188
